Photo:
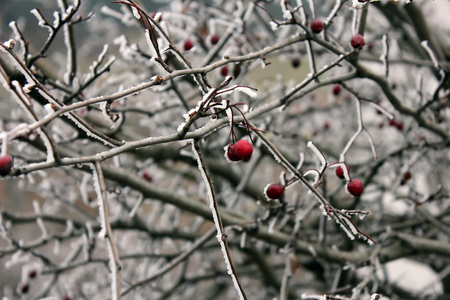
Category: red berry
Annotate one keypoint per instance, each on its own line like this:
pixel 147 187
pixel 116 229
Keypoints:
pixel 274 191
pixel 326 125
pixel 188 45
pixel 25 288
pixel 224 71
pixel 357 41
pixel 407 175
pixel 66 297
pixel 214 39
pixel 336 89
pixel 32 273
pixel 231 154
pixel 316 26
pixel 399 125
pixel 5 165
pixel 243 149
pixel 295 62
pixel 147 176
pixel 355 187
pixel 340 171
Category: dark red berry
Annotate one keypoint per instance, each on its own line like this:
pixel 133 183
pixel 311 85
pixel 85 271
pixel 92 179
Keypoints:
pixel 336 89
pixel 357 41
pixel 32 273
pixel 399 125
pixel 67 297
pixel 214 39
pixel 316 26
pixel 340 171
pixel 224 71
pixel 147 176
pixel 326 125
pixel 274 191
pixel 407 175
pixel 243 150
pixel 392 122
pixel 231 154
pixel 355 187
pixel 5 165
pixel 295 62
pixel 25 288
pixel 188 45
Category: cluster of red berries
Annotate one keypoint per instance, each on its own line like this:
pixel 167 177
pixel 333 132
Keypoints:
pixel 396 123
pixel 354 186
pixel 241 150
pixel 5 165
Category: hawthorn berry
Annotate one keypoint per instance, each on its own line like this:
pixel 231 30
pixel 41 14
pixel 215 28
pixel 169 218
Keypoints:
pixel 355 187
pixel 147 176
pixel 224 71
pixel 340 171
pixel 25 288
pixel 274 191
pixel 231 154
pixel 32 273
pixel 316 26
pixel 188 45
pixel 243 150
pixel 399 125
pixel 392 122
pixel 214 39
pixel 336 89
pixel 357 41
pixel 5 165
pixel 295 62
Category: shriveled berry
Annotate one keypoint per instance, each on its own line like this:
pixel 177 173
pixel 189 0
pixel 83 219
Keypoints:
pixel 295 62
pixel 224 71
pixel 316 26
pixel 243 150
pixel 188 45
pixel 407 175
pixel 5 164
pixel 274 191
pixel 355 187
pixel 336 89
pixel 214 39
pixel 326 125
pixel 231 154
pixel 399 125
pixel 392 122
pixel 357 41
pixel 340 171
pixel 147 176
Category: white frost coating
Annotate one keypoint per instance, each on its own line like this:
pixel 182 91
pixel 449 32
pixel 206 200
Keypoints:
pixel 319 154
pixel 374 296
pixel 349 234
pixel 57 16
pixel 115 284
pixel 101 207
pixel 28 78
pixel 10 44
pixel 314 173
pixel 215 215
pixel 274 26
pixel 286 12
pixel 312 250
pixel 136 206
pixel 271 226
pixel 135 13
pixel 41 20
pixel 243 240
pixel 316 297
pixel 301 160
pixel 430 53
